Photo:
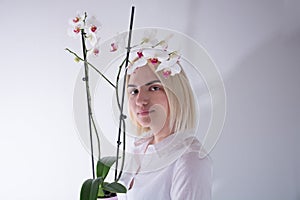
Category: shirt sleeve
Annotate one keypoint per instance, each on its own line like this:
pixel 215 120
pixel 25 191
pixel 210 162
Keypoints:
pixel 192 178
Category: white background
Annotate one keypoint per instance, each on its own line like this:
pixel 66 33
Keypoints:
pixel 255 44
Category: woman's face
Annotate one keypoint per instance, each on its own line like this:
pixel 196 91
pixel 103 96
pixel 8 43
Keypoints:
pixel 147 99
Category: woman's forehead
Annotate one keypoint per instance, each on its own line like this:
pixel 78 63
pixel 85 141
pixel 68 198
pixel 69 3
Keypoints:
pixel 142 76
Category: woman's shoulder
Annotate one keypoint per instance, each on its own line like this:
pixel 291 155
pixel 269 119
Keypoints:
pixel 196 146
pixel 194 153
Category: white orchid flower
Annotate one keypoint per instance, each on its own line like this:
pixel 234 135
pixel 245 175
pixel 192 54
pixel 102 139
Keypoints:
pixel 142 57
pixel 170 66
pixel 119 42
pixel 149 38
pixel 163 44
pixel 150 50
pixel 153 54
pixel 95 50
pixel 91 29
pixel 90 26
pixel 137 59
pixel 76 23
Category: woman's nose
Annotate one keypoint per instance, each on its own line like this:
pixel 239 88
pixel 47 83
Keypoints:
pixel 142 98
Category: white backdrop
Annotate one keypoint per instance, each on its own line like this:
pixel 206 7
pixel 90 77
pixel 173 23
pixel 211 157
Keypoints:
pixel 255 44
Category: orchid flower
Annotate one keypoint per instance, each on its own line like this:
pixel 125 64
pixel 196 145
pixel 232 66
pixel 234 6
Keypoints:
pixel 170 66
pixel 114 47
pixel 138 60
pixel 95 50
pixel 143 56
pixel 163 44
pixel 150 50
pixel 119 42
pixel 92 30
pixel 77 23
pixel 149 38
pixel 90 27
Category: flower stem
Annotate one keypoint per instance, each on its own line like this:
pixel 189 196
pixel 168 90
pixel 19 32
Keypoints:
pixel 117 84
pixel 88 95
pixel 92 66
pixel 97 135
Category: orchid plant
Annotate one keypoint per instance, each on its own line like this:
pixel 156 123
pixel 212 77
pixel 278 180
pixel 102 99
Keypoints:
pixel 87 28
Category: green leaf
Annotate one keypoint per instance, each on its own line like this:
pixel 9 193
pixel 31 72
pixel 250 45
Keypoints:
pixel 100 192
pixel 103 166
pixel 115 187
pixel 85 189
pixel 95 188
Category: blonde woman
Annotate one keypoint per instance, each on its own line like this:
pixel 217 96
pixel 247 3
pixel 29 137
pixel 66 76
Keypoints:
pixel 166 162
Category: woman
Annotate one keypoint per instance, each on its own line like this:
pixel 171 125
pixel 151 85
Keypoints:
pixel 166 163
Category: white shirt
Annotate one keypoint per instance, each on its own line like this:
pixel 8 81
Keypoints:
pixel 171 169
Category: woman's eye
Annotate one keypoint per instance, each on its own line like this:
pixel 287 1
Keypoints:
pixel 134 91
pixel 154 88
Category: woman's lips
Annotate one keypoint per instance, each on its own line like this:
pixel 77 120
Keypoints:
pixel 145 112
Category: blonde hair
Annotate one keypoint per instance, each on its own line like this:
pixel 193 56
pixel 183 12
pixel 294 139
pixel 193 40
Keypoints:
pixel 181 101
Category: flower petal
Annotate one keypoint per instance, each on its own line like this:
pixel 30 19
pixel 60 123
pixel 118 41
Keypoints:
pixel 175 69
pixel 149 37
pixel 93 24
pixel 114 47
pixel 155 53
pixel 169 65
pixel 118 42
pixel 138 63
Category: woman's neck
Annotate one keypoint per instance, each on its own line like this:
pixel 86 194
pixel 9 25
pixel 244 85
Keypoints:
pixel 160 135
pixel 158 138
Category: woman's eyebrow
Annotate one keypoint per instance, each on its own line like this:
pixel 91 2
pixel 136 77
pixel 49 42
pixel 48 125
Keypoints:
pixel 147 84
pixel 131 85
pixel 151 82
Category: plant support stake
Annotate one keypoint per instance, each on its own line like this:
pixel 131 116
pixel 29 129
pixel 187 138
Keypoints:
pixel 121 118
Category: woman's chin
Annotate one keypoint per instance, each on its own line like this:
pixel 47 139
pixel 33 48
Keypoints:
pixel 144 123
pixel 154 124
